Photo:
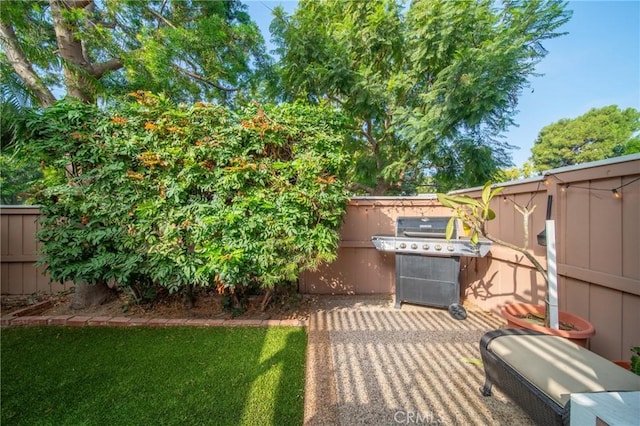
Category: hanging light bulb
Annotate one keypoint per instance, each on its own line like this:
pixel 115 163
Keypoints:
pixel 616 194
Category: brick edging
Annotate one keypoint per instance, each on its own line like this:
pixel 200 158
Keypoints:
pixel 81 321
pixel 36 307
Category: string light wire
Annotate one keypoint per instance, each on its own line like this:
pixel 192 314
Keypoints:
pixel 565 186
pixel 615 191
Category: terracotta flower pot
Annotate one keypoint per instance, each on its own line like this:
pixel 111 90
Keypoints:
pixel 624 364
pixel 514 313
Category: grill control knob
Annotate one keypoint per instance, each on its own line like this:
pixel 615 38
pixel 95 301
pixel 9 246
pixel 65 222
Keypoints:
pixel 451 248
pixel 403 245
pixel 438 247
pixel 414 246
pixel 425 246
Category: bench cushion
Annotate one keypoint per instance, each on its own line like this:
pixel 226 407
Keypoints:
pixel 559 367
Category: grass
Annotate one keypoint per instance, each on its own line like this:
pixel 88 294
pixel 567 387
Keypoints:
pixel 163 376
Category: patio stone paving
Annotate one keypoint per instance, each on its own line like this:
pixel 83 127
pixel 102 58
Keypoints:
pixel 368 363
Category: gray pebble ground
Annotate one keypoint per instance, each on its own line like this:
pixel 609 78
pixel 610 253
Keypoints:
pixel 371 364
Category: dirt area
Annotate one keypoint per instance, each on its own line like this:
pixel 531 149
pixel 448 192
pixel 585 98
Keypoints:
pixel 205 306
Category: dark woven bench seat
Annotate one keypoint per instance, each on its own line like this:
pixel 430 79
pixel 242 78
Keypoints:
pixel 540 372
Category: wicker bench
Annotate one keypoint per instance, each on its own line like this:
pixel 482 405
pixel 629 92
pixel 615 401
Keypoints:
pixel 540 372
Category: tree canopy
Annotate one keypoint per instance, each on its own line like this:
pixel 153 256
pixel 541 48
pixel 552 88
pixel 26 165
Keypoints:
pixel 190 50
pixel 431 86
pixel 596 135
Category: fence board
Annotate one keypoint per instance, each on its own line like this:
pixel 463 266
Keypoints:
pixel 607 321
pixel 630 325
pixel 29 230
pixel 15 279
pixel 605 228
pixel 16 233
pixel 631 226
pixel 576 226
pixel 4 235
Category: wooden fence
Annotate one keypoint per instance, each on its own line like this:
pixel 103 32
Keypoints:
pixel 598 250
pixel 18 253
pixel 598 242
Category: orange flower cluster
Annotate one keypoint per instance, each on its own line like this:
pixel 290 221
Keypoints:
pixel 149 159
pixel 119 120
pixel 134 175
pixel 150 126
pixel 208 164
pixel 206 141
pixel 330 179
pixel 144 97
pixel 260 123
pixel 241 165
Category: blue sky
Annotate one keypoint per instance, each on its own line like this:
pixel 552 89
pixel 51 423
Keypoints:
pixel 596 64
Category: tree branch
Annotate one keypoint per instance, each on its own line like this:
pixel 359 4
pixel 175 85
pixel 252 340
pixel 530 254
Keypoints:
pixel 358 186
pixel 367 134
pixel 161 18
pixel 22 66
pixel 111 65
pixel 522 250
pixel 204 79
pixel 79 4
pixel 525 221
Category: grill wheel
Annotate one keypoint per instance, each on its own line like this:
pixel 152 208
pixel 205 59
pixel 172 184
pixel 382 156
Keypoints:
pixel 457 311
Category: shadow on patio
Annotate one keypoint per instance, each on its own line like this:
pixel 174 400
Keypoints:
pixel 368 363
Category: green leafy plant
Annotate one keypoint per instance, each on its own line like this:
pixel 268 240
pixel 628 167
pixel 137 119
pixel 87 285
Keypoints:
pixel 635 360
pixel 151 193
pixel 474 215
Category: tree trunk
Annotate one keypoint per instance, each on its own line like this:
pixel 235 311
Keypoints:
pixel 77 69
pixel 87 295
pixel 381 187
pixel 23 67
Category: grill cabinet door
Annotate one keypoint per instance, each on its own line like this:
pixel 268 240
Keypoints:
pixel 425 280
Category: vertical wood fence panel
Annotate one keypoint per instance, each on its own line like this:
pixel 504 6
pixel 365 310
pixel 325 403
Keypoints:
pixel 18 253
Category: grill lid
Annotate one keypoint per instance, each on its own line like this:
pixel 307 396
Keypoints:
pixel 424 227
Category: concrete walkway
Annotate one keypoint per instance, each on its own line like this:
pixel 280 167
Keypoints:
pixel 368 363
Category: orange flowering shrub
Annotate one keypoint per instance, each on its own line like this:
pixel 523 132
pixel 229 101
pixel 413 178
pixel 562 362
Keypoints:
pixel 176 195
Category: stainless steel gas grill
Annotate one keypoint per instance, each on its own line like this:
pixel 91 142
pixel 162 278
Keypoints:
pixel 427 264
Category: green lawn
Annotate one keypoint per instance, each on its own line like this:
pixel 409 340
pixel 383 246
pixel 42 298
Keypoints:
pixel 148 376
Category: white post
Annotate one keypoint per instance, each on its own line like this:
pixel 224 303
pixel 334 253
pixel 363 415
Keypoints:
pixel 552 274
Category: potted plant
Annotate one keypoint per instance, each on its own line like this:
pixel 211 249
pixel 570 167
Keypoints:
pixel 635 360
pixel 474 215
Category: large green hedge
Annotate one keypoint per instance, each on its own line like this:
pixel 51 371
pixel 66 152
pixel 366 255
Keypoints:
pixel 153 193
